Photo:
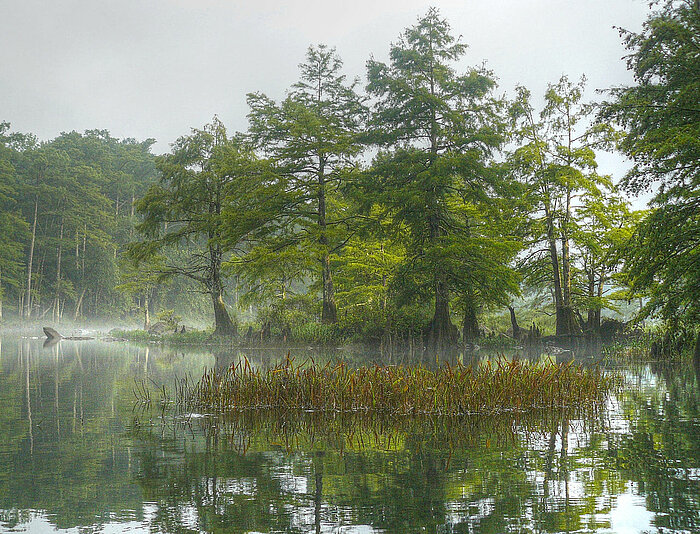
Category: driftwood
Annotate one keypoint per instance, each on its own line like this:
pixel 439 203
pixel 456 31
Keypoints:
pixel 52 335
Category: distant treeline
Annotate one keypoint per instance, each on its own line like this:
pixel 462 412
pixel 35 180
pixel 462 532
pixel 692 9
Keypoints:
pixel 420 203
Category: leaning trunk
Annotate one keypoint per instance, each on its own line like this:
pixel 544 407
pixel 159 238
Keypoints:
pixel 79 304
pixel 222 320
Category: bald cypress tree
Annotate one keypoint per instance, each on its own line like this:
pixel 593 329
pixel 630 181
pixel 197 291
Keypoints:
pixel 436 129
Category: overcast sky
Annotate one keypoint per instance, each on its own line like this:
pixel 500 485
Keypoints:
pixel 156 68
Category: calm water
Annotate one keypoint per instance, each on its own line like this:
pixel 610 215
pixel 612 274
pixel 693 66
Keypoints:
pixel 78 454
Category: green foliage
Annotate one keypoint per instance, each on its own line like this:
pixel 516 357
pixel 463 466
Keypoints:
pixel 312 140
pixel 436 176
pixel 571 202
pixel 205 174
pixel 14 228
pixel 65 211
pixel 661 119
pixel 291 225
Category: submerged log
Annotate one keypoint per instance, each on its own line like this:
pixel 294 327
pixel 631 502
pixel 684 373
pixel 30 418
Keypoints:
pixel 52 335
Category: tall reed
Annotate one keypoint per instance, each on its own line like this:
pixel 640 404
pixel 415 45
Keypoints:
pixel 486 388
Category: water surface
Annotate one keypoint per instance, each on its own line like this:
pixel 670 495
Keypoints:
pixel 78 453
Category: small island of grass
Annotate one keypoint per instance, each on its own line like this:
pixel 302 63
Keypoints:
pixel 489 387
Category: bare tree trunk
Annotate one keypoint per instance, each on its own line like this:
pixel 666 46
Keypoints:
pixel 82 266
pixel 79 304
pixel 146 313
pixel 28 301
pixel 57 298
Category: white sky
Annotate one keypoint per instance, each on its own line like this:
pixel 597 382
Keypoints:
pixel 156 68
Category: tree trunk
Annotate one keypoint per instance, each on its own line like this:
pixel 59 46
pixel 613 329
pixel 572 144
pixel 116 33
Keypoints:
pixel 79 304
pixel 517 331
pixel 28 302
pixel 441 332
pixel 223 325
pixel 146 313
pixel 569 324
pixel 470 328
pixel 57 297
pixel 561 319
pixel 593 318
pixel 329 312
pixel 82 265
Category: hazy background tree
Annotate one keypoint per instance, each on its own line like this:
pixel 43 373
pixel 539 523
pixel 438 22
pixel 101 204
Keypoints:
pixel 203 175
pixel 556 159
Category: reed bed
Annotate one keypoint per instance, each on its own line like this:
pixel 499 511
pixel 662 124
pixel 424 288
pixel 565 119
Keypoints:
pixel 490 387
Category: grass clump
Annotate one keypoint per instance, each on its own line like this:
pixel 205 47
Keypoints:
pixel 487 388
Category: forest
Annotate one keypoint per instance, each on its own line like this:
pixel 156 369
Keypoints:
pixel 419 203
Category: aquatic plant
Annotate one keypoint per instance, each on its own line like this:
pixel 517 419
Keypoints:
pixel 486 388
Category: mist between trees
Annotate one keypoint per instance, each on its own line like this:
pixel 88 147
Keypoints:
pixel 399 207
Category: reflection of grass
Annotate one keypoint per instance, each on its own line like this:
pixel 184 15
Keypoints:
pixel 635 349
pixel 486 388
pixel 260 430
pixel 250 430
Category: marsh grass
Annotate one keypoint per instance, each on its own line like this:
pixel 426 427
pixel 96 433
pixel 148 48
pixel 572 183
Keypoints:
pixel 491 387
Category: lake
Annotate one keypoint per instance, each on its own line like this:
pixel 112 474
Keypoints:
pixel 81 452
